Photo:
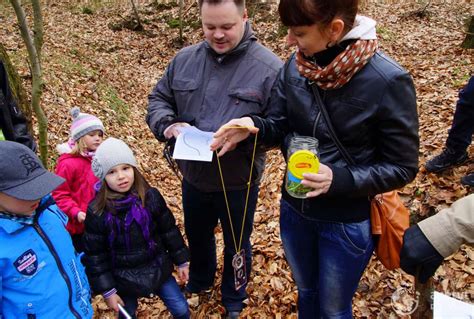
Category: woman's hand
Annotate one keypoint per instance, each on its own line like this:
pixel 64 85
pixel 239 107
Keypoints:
pixel 320 181
pixel 113 301
pixel 183 273
pixel 231 133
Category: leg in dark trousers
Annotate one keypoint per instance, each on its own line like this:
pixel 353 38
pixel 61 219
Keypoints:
pixel 460 135
pixel 200 220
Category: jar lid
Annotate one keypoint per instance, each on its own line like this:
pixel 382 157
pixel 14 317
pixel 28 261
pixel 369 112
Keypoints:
pixel 303 161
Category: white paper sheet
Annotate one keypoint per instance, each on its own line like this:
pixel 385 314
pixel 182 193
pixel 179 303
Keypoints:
pixel 445 307
pixel 193 144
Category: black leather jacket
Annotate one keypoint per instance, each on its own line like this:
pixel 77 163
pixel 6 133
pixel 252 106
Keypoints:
pixel 134 270
pixel 375 118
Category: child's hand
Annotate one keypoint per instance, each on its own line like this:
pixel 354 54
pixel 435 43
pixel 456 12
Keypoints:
pixel 81 217
pixel 183 273
pixel 113 301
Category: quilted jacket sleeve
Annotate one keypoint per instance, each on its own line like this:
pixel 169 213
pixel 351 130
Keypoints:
pixel 169 232
pixel 62 194
pixel 97 258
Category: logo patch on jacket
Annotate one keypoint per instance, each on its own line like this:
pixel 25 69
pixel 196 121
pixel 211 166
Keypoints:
pixel 27 263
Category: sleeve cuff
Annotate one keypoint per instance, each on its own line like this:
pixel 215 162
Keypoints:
pixel 342 181
pixel 109 293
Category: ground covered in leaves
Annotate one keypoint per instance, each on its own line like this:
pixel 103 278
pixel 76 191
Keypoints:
pixel 90 60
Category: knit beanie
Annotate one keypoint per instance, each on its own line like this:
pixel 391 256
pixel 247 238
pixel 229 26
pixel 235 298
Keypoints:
pixel 83 123
pixel 110 153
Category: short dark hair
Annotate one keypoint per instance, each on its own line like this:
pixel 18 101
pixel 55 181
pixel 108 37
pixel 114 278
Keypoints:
pixel 308 12
pixel 239 3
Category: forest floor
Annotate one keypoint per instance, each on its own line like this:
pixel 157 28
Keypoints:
pixel 110 74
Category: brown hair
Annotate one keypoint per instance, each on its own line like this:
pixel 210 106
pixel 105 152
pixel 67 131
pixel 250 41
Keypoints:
pixel 239 3
pixel 105 194
pixel 322 12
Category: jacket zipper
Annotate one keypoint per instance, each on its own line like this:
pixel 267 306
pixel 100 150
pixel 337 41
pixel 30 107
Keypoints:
pixel 46 239
pixel 316 121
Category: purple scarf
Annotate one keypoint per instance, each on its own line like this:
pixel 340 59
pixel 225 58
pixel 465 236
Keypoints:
pixel 135 212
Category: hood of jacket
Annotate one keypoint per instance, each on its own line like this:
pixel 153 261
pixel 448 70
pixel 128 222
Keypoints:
pixel 364 29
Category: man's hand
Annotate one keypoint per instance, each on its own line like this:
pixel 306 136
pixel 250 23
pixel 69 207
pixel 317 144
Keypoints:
pixel 81 217
pixel 418 257
pixel 320 182
pixel 231 133
pixel 174 129
pixel 113 301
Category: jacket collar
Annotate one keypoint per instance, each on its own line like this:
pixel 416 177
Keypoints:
pixel 13 223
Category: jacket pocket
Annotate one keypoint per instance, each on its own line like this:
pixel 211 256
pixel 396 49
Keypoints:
pixel 249 100
pixel 184 85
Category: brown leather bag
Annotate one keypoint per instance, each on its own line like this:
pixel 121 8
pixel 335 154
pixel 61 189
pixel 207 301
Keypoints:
pixel 389 219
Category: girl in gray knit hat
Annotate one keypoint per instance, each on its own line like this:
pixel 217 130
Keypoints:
pixel 131 239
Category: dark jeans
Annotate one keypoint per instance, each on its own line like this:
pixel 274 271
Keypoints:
pixel 202 211
pixel 460 135
pixel 170 294
pixel 327 260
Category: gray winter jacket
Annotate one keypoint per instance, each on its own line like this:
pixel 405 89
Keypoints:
pixel 207 90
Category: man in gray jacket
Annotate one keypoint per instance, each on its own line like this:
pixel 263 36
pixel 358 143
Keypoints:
pixel 227 76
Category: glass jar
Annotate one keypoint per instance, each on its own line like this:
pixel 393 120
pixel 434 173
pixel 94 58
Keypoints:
pixel 302 158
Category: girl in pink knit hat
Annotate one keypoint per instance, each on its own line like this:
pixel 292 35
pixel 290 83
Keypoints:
pixel 74 165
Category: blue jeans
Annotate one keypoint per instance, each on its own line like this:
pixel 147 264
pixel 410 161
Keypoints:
pixel 202 211
pixel 460 134
pixel 327 260
pixel 170 294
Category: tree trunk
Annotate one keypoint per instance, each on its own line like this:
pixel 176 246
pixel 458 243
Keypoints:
pixel 16 87
pixel 424 293
pixel 37 83
pixel 137 16
pixel 181 8
pixel 468 42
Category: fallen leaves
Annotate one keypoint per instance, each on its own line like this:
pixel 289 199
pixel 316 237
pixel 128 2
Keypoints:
pixel 87 64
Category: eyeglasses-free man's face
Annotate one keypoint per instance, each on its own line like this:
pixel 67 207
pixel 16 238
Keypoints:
pixel 223 25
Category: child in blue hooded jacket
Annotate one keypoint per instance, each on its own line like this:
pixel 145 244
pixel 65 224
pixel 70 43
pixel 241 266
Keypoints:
pixel 41 276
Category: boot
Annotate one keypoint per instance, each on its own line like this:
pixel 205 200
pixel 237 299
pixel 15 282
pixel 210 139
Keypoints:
pixel 446 159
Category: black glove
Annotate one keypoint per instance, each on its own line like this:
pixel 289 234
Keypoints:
pixel 418 256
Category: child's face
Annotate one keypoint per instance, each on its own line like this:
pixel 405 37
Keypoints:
pixel 120 178
pixel 93 139
pixel 17 206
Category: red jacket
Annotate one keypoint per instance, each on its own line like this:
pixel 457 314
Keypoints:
pixel 75 194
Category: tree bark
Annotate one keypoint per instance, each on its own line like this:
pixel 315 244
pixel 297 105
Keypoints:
pixel 468 42
pixel 37 83
pixel 137 16
pixel 16 87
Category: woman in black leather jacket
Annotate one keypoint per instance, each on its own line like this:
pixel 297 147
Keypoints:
pixel 371 103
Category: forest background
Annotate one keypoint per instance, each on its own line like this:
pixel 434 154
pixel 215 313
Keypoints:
pixel 94 56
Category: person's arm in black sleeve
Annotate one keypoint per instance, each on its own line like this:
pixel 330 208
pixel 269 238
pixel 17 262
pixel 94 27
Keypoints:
pixel 169 232
pixel 13 123
pixel 97 258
